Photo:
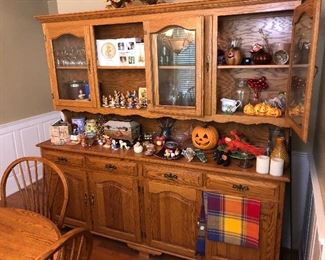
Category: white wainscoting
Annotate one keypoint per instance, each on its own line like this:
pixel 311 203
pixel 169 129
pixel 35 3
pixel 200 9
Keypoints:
pixel 19 138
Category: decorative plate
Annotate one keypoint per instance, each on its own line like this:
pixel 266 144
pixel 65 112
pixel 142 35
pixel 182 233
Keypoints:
pixel 108 50
pixel 161 155
pixel 280 57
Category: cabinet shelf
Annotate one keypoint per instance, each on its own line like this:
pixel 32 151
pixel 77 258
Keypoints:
pixel 71 68
pixel 177 67
pixel 121 67
pixel 240 117
pixel 268 66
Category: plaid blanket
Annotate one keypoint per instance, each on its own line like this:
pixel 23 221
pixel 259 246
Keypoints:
pixel 233 220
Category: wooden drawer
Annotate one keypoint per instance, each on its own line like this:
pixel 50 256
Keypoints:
pixel 64 158
pixel 243 187
pixel 173 175
pixel 111 165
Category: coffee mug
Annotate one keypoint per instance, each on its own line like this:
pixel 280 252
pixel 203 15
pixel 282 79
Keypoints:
pixel 229 105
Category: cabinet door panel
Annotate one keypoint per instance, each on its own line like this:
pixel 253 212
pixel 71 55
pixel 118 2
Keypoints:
pixel 171 216
pixel 302 66
pixel 115 205
pixel 78 211
pixel 68 54
pixel 174 53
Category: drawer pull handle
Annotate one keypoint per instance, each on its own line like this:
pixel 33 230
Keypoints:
pixel 240 187
pixel 110 167
pixel 61 159
pixel 86 199
pixel 170 176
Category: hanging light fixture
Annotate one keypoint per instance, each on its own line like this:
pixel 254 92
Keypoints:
pixel 177 39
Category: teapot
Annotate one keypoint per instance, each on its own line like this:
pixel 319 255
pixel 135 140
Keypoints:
pixel 229 105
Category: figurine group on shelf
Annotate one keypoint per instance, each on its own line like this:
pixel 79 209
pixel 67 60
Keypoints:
pixel 128 100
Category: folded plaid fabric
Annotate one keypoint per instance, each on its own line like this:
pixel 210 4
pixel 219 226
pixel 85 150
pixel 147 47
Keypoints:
pixel 233 220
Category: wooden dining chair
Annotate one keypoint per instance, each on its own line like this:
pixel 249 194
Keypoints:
pixel 40 186
pixel 73 245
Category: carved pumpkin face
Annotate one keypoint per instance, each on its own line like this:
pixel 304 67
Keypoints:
pixel 249 109
pixel 205 138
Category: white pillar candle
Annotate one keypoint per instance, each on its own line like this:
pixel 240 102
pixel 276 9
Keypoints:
pixel 276 167
pixel 262 164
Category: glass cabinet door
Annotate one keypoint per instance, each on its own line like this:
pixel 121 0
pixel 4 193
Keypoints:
pixel 69 67
pixel 302 69
pixel 176 60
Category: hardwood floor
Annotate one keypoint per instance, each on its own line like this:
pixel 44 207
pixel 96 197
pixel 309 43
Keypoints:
pixel 104 248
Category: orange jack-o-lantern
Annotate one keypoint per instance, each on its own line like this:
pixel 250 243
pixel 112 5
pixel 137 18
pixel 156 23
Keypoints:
pixel 205 137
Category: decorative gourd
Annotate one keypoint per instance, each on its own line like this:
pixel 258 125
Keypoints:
pixel 273 111
pixel 205 137
pixel 261 109
pixel 249 109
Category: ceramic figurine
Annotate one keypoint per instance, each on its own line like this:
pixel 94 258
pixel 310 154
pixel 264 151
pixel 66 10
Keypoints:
pixel 138 148
pixel 201 156
pixel 115 145
pixel 221 157
pixel 83 140
pixel 81 94
pixel 124 145
pixel 108 141
pixel 188 153
pixel 104 101
pixel 130 102
pixel 116 98
pixel 122 101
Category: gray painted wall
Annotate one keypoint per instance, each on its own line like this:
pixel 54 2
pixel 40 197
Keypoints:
pixel 24 83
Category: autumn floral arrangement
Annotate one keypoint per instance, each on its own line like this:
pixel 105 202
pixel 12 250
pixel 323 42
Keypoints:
pixel 117 3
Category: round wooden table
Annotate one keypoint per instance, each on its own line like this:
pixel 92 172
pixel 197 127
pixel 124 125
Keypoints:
pixel 25 234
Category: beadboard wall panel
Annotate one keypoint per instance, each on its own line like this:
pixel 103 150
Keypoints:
pixel 19 138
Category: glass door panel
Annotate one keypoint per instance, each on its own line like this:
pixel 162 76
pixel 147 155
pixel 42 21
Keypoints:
pixel 176 61
pixel 176 56
pixel 71 68
pixel 302 69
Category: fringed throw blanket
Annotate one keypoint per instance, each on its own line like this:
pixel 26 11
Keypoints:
pixel 233 220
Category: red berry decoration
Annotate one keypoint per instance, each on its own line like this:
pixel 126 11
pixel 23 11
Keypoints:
pixel 257 85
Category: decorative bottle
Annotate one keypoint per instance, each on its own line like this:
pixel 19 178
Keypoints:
pixel 280 151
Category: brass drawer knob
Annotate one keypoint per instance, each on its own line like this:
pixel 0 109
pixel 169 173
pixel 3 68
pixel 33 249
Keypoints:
pixel 110 167
pixel 240 187
pixel 170 176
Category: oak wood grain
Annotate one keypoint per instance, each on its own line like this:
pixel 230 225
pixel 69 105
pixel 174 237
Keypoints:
pixel 25 234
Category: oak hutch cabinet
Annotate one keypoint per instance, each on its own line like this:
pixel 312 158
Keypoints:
pixel 153 204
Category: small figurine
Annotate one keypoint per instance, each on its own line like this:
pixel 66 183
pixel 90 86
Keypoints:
pixel 130 103
pixel 116 98
pixel 201 156
pixel 115 145
pixel 111 102
pixel 124 145
pixel 221 157
pixel 188 153
pixel 104 101
pixel 81 94
pixel 138 148
pixel 108 141
pixel 122 101
pixel 83 140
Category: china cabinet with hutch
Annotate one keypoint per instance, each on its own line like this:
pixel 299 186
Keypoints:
pixel 126 196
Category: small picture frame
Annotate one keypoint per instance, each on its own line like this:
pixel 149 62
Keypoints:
pixel 142 93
